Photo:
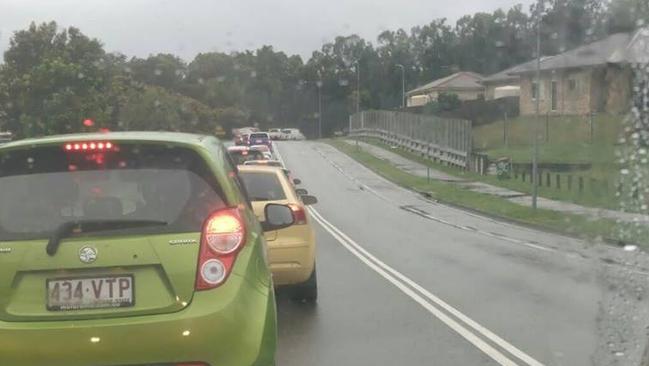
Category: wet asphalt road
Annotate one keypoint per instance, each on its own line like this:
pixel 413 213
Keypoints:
pixel 450 287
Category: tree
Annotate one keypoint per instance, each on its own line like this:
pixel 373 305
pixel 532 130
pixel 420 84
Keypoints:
pixel 52 80
pixel 155 108
pixel 626 15
pixel 165 70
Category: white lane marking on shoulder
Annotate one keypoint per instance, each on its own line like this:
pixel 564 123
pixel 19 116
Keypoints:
pixel 469 213
pixel 392 275
pixel 437 219
pixel 357 181
pixel 278 155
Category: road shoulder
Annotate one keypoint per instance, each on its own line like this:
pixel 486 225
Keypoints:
pixel 493 205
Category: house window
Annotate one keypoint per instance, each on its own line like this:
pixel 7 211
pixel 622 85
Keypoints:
pixel 553 95
pixel 572 85
pixel 535 90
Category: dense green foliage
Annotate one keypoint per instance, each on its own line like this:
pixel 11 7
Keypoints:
pixel 52 79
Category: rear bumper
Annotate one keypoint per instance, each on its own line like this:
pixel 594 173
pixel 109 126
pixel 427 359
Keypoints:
pixel 232 325
pixel 291 263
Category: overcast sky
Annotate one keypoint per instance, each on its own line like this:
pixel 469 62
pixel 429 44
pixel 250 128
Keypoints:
pixel 187 27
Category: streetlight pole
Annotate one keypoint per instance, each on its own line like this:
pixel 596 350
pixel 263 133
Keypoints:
pixel 319 85
pixel 535 140
pixel 403 86
pixel 358 87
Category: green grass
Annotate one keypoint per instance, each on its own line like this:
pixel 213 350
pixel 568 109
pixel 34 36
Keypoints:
pixel 568 141
pixel 568 153
pixel 570 132
pixel 488 204
pixel 563 140
pixel 592 196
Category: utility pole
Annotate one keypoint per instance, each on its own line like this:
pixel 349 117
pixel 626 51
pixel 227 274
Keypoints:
pixel 358 87
pixel 319 84
pixel 535 140
pixel 403 86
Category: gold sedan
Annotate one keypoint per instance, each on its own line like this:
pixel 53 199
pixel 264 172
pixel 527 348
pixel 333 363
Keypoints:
pixel 291 251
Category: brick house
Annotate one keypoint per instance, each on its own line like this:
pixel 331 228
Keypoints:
pixel 505 83
pixel 595 77
pixel 465 84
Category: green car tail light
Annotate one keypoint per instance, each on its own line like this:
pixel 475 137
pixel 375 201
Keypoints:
pixel 222 238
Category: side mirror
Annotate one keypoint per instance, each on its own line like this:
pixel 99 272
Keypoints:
pixel 277 217
pixel 309 200
pixel 297 181
pixel 301 192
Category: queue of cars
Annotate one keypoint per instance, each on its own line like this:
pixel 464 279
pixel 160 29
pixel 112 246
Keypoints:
pixel 291 250
pixel 252 136
pixel 291 134
pixel 164 235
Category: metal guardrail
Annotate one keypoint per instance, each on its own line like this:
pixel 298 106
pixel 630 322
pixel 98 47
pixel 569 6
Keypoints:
pixel 443 140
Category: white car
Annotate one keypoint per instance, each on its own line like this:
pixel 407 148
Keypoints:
pixel 292 134
pixel 5 137
pixel 275 133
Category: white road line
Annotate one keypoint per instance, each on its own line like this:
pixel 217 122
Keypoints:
pixel 454 208
pixel 427 215
pixel 358 182
pixel 278 155
pixel 392 275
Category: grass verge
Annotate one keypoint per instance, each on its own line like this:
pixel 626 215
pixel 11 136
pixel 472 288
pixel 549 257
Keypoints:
pixel 589 197
pixel 570 224
pixel 570 138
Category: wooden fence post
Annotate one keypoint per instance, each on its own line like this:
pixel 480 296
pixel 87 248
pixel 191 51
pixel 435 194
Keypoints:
pixel 505 137
pixel 547 127
pixel 593 186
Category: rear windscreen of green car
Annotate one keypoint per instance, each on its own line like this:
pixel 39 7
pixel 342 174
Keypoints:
pixel 262 186
pixel 43 187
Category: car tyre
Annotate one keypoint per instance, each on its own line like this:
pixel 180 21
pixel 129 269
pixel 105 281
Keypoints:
pixel 307 291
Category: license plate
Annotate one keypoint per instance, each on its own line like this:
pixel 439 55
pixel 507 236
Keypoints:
pixel 90 293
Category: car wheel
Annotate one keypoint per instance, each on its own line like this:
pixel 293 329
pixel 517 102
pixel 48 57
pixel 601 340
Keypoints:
pixel 307 291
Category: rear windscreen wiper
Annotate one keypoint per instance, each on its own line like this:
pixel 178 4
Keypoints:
pixel 83 226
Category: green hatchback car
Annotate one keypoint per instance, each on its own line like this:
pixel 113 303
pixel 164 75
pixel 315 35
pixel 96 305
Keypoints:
pixel 131 249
